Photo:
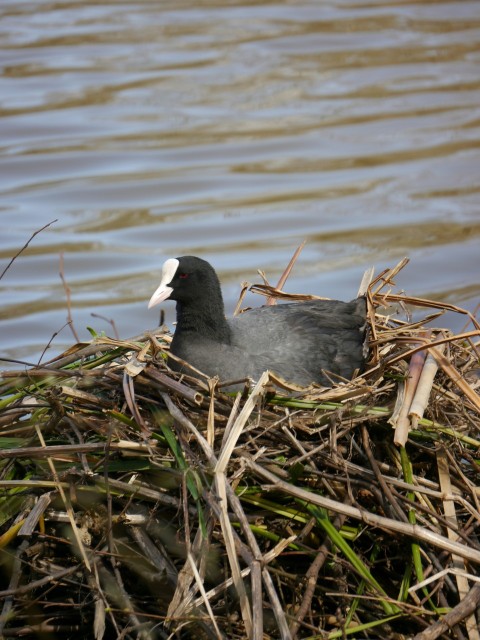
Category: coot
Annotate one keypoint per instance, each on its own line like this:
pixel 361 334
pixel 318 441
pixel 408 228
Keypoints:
pixel 297 341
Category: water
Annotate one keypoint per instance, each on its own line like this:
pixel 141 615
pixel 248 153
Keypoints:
pixel 233 131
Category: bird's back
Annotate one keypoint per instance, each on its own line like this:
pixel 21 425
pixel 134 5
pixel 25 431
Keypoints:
pixel 299 340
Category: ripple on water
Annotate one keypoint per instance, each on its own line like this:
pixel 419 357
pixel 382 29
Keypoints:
pixel 233 131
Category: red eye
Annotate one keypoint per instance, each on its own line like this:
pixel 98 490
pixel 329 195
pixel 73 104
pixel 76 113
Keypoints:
pixel 183 275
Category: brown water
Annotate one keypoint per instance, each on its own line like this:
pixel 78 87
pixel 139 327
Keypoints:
pixel 232 130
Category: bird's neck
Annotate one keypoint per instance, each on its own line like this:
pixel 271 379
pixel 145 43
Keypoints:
pixel 206 320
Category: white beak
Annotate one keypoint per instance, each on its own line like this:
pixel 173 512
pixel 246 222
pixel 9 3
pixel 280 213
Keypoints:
pixel 164 291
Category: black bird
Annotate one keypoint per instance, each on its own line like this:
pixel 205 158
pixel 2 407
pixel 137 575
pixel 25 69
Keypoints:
pixel 297 341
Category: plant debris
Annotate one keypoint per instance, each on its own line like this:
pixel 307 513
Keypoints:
pixel 135 503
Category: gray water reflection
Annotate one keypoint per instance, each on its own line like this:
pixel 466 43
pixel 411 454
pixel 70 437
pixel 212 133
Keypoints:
pixel 155 129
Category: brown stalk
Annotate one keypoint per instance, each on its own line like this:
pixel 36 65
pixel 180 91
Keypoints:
pixel 69 302
pixel 25 246
pixel 311 579
pixel 381 480
pixel 402 422
pixel 464 609
pixel 283 278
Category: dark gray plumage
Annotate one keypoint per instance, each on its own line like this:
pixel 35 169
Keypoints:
pixel 297 341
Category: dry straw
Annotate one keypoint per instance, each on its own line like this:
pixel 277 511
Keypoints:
pixel 137 504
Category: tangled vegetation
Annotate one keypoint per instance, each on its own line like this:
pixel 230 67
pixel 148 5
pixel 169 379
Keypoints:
pixel 137 504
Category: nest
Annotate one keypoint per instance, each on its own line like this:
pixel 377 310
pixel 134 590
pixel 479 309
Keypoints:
pixel 137 504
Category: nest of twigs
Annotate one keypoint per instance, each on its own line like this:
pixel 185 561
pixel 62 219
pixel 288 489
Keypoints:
pixel 134 504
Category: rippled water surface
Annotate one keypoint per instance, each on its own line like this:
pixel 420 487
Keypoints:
pixel 232 130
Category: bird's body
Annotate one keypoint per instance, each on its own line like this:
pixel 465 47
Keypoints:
pixel 297 341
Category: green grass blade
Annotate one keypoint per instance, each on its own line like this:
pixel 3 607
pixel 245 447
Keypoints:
pixel 323 520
